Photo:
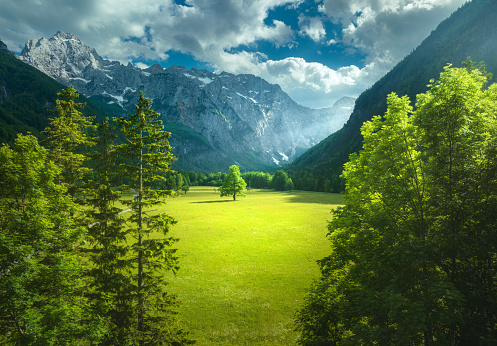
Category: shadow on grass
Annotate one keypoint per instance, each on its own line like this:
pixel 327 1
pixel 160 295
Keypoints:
pixel 317 197
pixel 213 201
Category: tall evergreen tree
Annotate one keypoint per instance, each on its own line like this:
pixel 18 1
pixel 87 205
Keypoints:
pixel 111 285
pixel 68 139
pixel 146 158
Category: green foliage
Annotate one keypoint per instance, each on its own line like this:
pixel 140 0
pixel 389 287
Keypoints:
pixel 233 184
pixel 68 137
pixel 258 180
pixel 466 33
pixel 41 273
pixel 111 285
pixel 413 250
pixel 146 158
pixel 279 180
pixel 289 185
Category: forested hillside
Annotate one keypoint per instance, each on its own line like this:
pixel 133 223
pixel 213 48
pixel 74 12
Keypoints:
pixel 470 31
pixel 26 96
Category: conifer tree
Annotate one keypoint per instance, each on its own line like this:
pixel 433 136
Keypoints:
pixel 111 285
pixel 68 138
pixel 145 159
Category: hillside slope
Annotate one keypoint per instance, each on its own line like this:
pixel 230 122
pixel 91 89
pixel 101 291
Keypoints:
pixel 470 31
pixel 26 96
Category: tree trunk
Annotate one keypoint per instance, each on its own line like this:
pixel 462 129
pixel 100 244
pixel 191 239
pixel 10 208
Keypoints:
pixel 140 250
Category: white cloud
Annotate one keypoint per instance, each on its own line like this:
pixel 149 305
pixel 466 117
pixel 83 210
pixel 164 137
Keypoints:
pixel 387 30
pixel 215 32
pixel 141 65
pixel 312 27
pixel 309 83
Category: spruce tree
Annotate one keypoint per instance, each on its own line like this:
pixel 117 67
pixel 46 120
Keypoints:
pixel 111 286
pixel 145 159
pixel 68 138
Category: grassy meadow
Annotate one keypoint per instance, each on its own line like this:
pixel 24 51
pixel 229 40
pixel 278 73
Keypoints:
pixel 246 264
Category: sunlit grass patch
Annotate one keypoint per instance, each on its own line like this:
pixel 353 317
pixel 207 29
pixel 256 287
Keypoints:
pixel 245 264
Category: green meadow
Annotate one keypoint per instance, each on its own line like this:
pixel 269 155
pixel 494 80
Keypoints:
pixel 246 264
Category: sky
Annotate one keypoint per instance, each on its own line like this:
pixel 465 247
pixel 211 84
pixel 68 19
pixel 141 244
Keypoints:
pixel 317 50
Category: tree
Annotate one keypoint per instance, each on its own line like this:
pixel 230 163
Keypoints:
pixel 179 181
pixel 233 184
pixel 279 180
pixel 413 249
pixel 146 158
pixel 68 138
pixel 41 269
pixel 289 185
pixel 185 188
pixel 110 283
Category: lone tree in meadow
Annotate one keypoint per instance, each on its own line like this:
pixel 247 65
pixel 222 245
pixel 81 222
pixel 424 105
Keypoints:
pixel 233 184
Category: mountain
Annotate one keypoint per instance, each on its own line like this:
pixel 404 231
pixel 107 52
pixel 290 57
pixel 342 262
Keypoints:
pixel 26 95
pixel 470 31
pixel 216 119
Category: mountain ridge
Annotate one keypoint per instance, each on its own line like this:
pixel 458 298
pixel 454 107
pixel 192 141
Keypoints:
pixel 26 97
pixel 244 119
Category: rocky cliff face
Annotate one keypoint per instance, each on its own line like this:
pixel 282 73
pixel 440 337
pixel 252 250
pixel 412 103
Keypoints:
pixel 216 119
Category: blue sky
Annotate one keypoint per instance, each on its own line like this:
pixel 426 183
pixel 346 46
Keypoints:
pixel 316 50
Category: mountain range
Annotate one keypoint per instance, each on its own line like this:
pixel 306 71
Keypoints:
pixel 216 119
pixel 471 31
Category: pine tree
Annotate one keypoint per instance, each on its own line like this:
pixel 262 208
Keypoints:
pixel 68 138
pixel 146 158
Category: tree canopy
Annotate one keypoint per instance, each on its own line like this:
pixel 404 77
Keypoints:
pixel 414 250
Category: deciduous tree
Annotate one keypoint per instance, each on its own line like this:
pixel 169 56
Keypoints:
pixel 41 270
pixel 413 250
pixel 233 184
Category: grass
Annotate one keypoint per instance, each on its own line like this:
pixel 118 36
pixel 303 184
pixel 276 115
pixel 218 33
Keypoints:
pixel 246 265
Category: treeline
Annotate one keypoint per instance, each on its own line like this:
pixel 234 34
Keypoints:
pixel 280 181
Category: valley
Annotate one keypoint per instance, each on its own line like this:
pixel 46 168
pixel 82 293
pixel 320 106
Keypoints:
pixel 246 265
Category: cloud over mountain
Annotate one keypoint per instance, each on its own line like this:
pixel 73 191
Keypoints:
pixel 347 44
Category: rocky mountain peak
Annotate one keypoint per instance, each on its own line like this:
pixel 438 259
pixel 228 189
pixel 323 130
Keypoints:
pixel 221 119
pixel 64 56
